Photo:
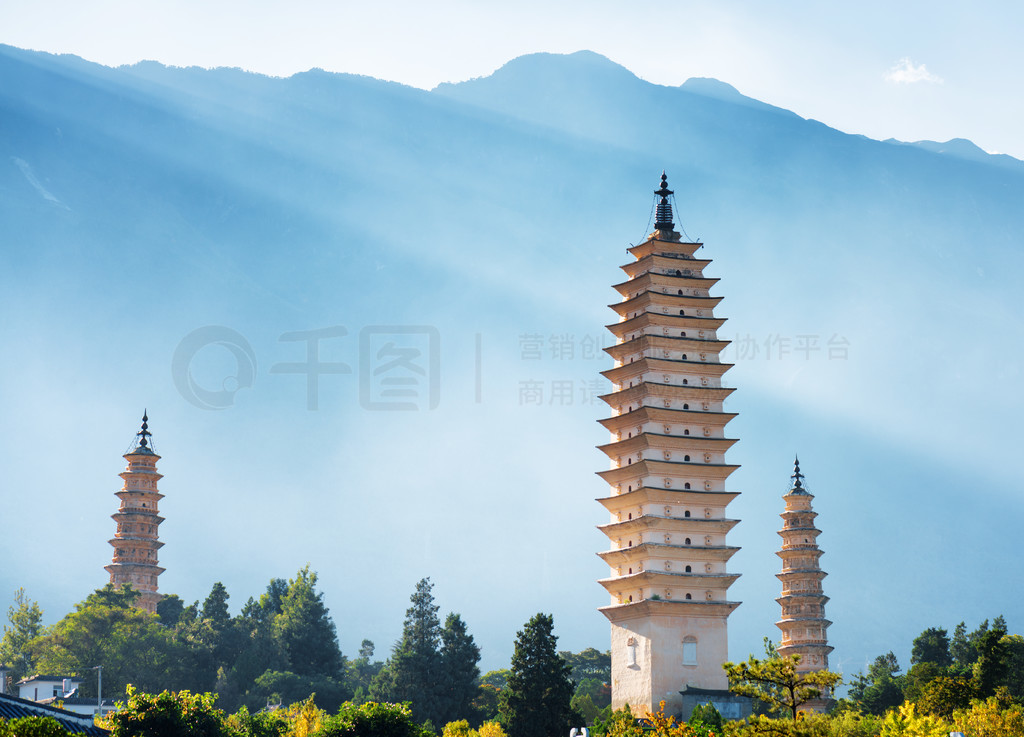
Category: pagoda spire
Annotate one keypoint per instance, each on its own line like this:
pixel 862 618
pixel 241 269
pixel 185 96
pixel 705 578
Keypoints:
pixel 136 540
pixel 803 624
pixel 797 487
pixel 143 435
pixel 668 552
pixel 663 215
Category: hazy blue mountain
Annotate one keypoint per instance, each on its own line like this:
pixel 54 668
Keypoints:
pixel 872 289
pixel 964 149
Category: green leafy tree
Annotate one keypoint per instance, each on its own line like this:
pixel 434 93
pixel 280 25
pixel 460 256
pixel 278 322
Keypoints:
pixel 705 720
pixel 583 705
pixel 485 703
pixel 259 651
pixel 271 601
pixel 964 646
pixel 382 687
pixel 1015 666
pixel 931 646
pixel 259 724
pixel 882 687
pixel 945 695
pixel 371 720
pixel 990 669
pixel 619 723
pixel 600 692
pixel 497 678
pixel 996 716
pixel 215 608
pixel 960 648
pixel 306 630
pixel 201 645
pixel 537 699
pixel 24 623
pixel 459 671
pixel 169 609
pixel 130 644
pixel 852 723
pixel 32 727
pixel 362 672
pixel 589 664
pixel 919 676
pixel 122 597
pixel 277 687
pixel 366 649
pixel 167 714
pixel 779 683
pixel 215 642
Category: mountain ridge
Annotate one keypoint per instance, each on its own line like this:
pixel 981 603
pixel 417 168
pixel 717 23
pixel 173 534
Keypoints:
pixel 494 212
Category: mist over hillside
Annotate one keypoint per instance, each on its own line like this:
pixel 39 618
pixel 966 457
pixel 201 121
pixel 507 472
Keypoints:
pixel 872 291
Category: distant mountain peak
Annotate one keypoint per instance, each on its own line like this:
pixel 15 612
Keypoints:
pixel 718 90
pixel 711 87
pixel 961 148
pixel 579 64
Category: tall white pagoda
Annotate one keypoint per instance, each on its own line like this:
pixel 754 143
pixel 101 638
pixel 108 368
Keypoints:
pixel 138 519
pixel 668 494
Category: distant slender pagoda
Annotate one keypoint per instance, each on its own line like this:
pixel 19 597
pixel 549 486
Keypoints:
pixel 668 579
pixel 803 624
pixel 136 541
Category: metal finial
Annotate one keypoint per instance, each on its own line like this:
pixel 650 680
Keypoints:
pixel 144 433
pixel 796 474
pixel 664 212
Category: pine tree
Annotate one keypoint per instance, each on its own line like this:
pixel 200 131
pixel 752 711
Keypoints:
pixel 414 673
pixel 931 646
pixel 992 665
pixel 215 608
pixel 536 701
pixel 306 630
pixel 459 658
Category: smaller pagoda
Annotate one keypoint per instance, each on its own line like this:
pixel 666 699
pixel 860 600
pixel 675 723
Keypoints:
pixel 803 624
pixel 136 541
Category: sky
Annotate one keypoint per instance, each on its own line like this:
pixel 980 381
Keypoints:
pixel 910 70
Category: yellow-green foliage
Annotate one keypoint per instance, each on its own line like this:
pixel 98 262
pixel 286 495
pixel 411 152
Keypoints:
pixel 907 722
pixel 32 727
pixel 167 714
pixel 777 682
pixel 806 725
pixel 304 718
pixel 460 728
pixel 994 717
pixel 661 726
pixel 491 729
pixel 854 724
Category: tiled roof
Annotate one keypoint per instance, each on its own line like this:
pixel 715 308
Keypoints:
pixel 55 679
pixel 12 707
pixel 79 701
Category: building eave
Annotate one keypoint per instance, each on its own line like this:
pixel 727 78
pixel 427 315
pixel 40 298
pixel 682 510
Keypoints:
pixel 664 496
pixel 674 608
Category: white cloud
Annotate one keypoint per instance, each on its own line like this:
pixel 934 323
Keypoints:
pixel 906 72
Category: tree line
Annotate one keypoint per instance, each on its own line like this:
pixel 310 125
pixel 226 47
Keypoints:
pixel 282 648
pixel 946 673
